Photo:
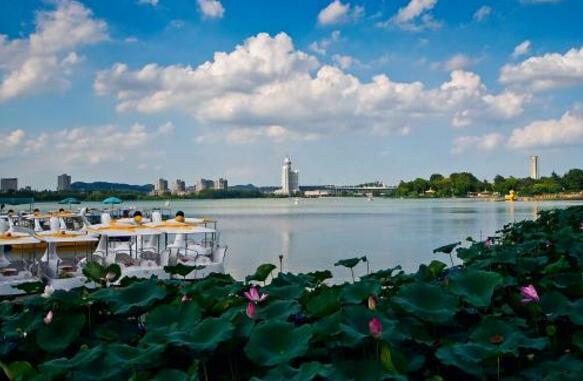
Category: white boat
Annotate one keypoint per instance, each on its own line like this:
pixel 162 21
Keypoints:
pixel 14 272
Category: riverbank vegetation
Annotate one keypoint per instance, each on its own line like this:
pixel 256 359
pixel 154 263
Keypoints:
pixel 513 311
pixel 464 183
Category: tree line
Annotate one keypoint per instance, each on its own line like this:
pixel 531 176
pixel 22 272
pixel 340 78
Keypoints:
pixel 463 183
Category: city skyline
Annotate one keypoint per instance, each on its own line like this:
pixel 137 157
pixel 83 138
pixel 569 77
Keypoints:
pixel 357 90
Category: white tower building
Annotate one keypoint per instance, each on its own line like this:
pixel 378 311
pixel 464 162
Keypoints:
pixel 534 167
pixel 290 179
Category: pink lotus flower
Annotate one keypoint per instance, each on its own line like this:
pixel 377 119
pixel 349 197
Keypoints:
pixel 250 310
pixel 488 243
pixel 185 298
pixel 529 294
pixel 253 295
pixel 581 226
pixel 372 303
pixel 48 318
pixel 375 327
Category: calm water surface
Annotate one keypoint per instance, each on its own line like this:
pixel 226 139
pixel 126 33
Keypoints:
pixel 317 232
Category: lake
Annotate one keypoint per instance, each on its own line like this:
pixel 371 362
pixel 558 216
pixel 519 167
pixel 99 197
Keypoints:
pixel 314 234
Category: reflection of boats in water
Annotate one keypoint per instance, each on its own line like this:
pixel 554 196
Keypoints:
pixel 511 196
pixel 141 247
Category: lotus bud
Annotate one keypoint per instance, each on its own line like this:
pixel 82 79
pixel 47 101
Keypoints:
pixel 48 291
pixel 185 299
pixel 529 294
pixel 250 310
pixel 372 303
pixel 110 276
pixel 48 318
pixel 488 243
pixel 375 327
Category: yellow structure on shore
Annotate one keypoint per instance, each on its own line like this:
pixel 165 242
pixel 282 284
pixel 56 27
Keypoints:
pixel 511 196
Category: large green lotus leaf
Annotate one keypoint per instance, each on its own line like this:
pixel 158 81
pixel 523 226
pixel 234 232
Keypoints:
pixel 209 333
pixel 26 321
pixel 363 370
pixel 556 304
pixel 566 368
pixel 511 335
pixel 283 290
pixel 30 287
pixel 354 325
pixel 277 342
pixel 577 341
pixel 324 302
pixel 328 328
pixel 170 375
pixel 475 286
pixel 18 370
pixel 306 372
pixel 430 272
pixel 359 291
pixel 61 332
pixel 116 329
pixel 317 277
pixel 137 296
pixel 466 357
pixel 348 263
pixel 180 269
pixel 570 284
pixel 428 302
pixel 108 362
pixel 69 299
pixel 262 272
pixel 279 309
pixel 560 265
pixel 447 249
pixel 173 316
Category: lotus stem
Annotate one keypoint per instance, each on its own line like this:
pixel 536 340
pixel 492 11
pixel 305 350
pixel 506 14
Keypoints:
pixel 498 366
pixel 451 259
pixel 352 273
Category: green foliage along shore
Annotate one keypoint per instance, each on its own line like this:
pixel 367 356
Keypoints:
pixel 512 311
pixel 460 184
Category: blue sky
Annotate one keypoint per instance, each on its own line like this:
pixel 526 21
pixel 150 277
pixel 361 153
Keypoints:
pixel 132 90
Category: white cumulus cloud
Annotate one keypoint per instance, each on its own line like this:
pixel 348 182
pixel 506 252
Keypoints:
pixel 414 16
pixel 547 71
pixel 212 9
pixel 44 59
pixel 567 130
pixel 336 12
pixel 267 82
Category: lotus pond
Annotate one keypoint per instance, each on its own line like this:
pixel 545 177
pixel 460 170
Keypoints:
pixel 512 311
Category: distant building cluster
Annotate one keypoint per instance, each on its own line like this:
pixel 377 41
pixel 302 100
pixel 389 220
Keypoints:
pixel 179 187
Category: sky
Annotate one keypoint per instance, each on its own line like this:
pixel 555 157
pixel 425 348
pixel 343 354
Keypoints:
pixel 355 91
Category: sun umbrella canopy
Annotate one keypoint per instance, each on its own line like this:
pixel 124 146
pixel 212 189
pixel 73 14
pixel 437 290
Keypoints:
pixel 112 200
pixel 69 200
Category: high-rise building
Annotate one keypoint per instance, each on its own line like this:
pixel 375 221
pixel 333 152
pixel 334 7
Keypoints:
pixel 179 187
pixel 63 182
pixel 221 184
pixel 160 187
pixel 534 167
pixel 8 184
pixel 290 179
pixel 204 184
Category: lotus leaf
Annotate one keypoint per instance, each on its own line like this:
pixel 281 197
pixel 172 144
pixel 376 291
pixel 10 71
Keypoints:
pixel 61 332
pixel 279 309
pixel 262 272
pixel 324 303
pixel 360 291
pixel 277 342
pixel 139 295
pixel 475 286
pixel 426 301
